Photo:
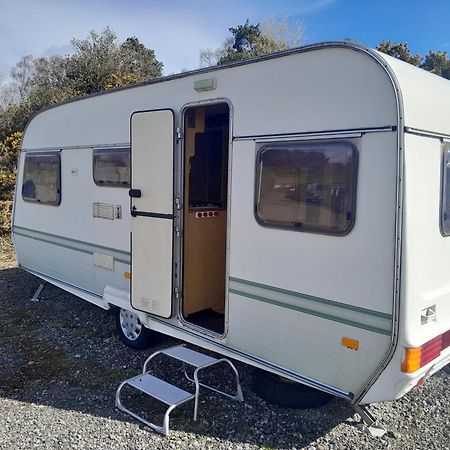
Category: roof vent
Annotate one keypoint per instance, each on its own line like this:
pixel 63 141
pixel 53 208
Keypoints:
pixel 207 84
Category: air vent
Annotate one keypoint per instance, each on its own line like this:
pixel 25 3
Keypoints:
pixel 103 210
pixel 104 261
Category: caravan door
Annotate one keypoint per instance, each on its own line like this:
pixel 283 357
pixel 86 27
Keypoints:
pixel 152 147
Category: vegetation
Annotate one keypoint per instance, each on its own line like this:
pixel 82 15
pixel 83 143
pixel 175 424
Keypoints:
pixel 435 62
pixel 7 255
pixel 99 62
pixel 248 41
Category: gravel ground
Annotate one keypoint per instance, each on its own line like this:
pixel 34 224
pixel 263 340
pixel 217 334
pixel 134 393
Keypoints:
pixel 60 365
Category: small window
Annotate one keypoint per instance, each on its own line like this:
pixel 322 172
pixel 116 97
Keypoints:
pixel 42 178
pixel 445 207
pixel 307 186
pixel 111 167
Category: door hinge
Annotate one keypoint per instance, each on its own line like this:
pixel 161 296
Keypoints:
pixel 177 231
pixel 178 203
pixel 178 131
pixel 176 291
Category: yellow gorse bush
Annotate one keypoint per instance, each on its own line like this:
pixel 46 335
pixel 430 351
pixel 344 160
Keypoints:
pixel 9 151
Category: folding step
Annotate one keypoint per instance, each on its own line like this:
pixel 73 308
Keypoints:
pixel 160 390
pixel 170 394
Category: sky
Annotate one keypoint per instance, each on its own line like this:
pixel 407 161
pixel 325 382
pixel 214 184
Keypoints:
pixel 178 29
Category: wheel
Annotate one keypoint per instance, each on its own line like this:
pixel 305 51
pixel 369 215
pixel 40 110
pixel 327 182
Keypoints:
pixel 131 331
pixel 286 393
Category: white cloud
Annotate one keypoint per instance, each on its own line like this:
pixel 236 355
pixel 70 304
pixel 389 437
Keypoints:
pixel 175 29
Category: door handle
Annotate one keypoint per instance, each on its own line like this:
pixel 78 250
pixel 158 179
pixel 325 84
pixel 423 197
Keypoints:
pixel 135 193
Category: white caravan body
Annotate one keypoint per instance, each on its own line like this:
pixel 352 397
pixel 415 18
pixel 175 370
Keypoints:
pixel 362 312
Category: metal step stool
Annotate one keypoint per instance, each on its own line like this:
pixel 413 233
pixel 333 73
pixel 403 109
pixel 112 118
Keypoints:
pixel 169 394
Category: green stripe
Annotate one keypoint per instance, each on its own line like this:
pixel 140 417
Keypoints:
pixel 17 231
pixel 311 312
pixel 72 240
pixel 53 242
pixel 314 299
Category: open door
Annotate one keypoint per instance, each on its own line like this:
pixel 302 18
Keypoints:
pixel 152 148
pixel 206 154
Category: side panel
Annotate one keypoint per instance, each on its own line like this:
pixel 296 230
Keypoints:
pixel 67 242
pixel 425 267
pixel 426 251
pixel 152 223
pixel 295 295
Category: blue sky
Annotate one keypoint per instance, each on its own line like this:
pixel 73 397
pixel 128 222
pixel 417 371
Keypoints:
pixel 178 29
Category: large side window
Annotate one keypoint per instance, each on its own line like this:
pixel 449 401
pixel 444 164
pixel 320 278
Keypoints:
pixel 307 186
pixel 111 167
pixel 42 178
pixel 445 207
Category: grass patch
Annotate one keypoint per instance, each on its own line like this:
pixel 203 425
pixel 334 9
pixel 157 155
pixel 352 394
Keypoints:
pixel 7 254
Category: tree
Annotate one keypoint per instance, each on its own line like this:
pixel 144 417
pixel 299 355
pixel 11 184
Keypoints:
pixel 249 40
pixel 138 61
pixel 22 75
pixel 437 63
pixel 400 51
pixel 99 62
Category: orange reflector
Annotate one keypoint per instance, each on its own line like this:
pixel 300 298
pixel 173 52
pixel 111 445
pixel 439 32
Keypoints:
pixel 411 362
pixel 127 275
pixel 350 343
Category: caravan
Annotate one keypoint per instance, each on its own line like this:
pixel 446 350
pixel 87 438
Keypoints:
pixel 291 212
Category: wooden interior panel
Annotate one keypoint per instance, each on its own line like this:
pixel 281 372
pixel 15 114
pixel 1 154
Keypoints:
pixel 204 238
pixel 204 262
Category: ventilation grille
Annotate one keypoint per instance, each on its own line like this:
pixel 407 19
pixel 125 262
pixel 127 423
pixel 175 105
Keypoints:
pixel 103 210
pixel 105 261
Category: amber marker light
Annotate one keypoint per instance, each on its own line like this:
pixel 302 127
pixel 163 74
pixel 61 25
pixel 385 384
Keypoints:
pixel 127 275
pixel 415 358
pixel 411 361
pixel 350 343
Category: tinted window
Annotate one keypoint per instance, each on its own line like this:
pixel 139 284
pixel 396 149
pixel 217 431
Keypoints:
pixel 307 186
pixel 41 178
pixel 445 218
pixel 112 167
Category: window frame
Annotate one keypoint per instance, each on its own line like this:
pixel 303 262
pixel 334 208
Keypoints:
pixel 106 150
pixel 59 182
pixel 445 159
pixel 305 143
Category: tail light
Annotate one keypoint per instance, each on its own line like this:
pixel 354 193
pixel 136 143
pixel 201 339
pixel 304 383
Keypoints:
pixel 415 358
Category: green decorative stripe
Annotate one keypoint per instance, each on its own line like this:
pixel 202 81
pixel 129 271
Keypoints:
pixel 354 316
pixel 72 244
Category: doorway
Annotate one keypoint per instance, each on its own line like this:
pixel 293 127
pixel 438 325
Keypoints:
pixel 205 215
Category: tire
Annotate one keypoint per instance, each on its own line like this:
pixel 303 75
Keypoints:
pixel 285 393
pixel 132 332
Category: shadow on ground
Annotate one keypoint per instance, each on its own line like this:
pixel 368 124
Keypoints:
pixel 62 352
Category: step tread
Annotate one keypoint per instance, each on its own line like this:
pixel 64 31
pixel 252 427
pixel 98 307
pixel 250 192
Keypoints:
pixel 159 389
pixel 189 356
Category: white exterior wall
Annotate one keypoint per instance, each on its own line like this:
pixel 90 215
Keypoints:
pixel 425 263
pixel 73 228
pixel 315 91
pixel 355 270
pixel 320 90
pixel 425 97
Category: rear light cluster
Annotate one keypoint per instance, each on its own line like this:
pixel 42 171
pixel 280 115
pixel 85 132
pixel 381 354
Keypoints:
pixel 415 358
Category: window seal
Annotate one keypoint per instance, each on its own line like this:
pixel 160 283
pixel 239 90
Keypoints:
pixel 445 147
pixel 110 150
pixel 303 143
pixel 43 153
